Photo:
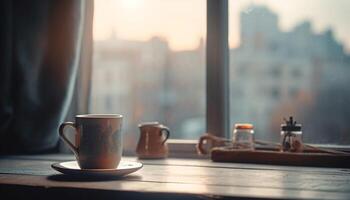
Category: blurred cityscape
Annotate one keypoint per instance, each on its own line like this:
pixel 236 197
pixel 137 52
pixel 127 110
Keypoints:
pixel 273 74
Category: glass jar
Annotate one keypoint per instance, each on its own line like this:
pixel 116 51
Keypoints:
pixel 291 136
pixel 243 136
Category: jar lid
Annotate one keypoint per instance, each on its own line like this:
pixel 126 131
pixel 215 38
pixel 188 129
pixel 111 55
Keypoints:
pixel 290 125
pixel 244 126
pixel 296 127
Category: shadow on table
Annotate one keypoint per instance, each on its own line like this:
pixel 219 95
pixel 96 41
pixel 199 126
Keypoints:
pixel 79 178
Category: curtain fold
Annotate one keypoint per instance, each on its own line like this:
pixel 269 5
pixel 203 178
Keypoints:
pixel 41 51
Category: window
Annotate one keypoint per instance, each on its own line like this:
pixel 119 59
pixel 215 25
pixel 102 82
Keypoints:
pixel 275 93
pixel 309 43
pixel 284 59
pixel 276 71
pixel 149 65
pixel 296 73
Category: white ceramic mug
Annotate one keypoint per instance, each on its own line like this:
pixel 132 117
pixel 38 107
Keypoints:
pixel 98 140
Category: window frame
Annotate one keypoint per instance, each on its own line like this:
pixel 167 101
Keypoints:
pixel 217 83
pixel 217 69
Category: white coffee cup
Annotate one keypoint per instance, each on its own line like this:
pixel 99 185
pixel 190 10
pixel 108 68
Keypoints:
pixel 98 140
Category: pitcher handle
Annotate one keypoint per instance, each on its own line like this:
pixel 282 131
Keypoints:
pixel 167 133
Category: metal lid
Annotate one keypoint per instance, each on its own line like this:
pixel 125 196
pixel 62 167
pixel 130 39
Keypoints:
pixel 285 127
pixel 290 125
pixel 244 126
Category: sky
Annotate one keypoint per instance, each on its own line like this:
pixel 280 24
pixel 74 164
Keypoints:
pixel 183 22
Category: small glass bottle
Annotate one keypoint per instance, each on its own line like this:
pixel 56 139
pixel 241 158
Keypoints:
pixel 243 136
pixel 291 136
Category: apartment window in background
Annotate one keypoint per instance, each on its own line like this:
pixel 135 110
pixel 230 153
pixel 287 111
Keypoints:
pixel 298 53
pixel 149 65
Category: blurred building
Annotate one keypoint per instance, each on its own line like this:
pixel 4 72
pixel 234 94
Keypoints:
pixel 146 81
pixel 273 74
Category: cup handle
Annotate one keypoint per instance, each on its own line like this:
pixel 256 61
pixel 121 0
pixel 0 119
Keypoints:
pixel 65 139
pixel 200 149
pixel 215 141
pixel 167 133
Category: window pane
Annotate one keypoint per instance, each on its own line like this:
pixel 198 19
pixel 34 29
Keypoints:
pixel 149 64
pixel 291 57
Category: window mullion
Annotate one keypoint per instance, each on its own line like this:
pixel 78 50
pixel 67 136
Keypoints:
pixel 217 68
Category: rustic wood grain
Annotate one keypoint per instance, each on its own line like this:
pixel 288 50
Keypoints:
pixel 189 177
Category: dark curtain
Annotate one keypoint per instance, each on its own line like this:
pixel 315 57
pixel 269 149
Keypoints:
pixel 42 42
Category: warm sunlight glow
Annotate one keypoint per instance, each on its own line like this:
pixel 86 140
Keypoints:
pixel 132 4
pixel 183 23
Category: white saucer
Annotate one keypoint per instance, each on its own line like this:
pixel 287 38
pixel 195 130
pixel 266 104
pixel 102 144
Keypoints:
pixel 72 168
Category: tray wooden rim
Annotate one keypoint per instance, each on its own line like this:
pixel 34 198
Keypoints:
pixel 273 157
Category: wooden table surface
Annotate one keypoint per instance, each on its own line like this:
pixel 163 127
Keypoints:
pixel 175 179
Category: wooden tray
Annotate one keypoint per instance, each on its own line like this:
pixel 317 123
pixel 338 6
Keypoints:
pixel 273 157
